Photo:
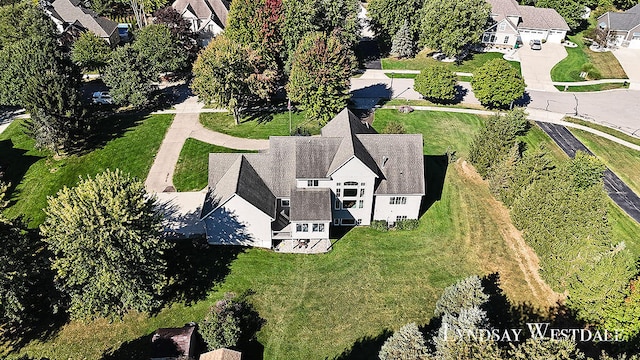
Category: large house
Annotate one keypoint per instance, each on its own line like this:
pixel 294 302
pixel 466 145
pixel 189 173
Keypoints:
pixel 621 28
pixel 517 24
pixel 72 18
pixel 301 186
pixel 208 18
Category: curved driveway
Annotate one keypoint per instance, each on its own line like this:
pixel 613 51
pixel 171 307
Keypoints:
pixel 536 65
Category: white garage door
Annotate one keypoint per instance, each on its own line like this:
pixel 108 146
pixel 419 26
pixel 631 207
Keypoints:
pixel 556 36
pixel 528 35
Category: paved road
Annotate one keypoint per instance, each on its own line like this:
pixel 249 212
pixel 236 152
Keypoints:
pixel 618 191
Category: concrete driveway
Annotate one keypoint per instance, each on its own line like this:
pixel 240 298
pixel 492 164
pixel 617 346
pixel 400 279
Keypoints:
pixel 537 65
pixel 630 61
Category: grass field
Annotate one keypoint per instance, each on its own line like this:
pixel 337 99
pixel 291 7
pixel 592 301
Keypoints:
pixel 424 102
pixel 594 87
pixel 606 130
pixel 128 143
pixel 258 127
pixel 423 60
pixel 193 164
pixel 569 68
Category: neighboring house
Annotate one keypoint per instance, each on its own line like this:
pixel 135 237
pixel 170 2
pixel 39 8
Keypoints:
pixel 222 354
pixel 517 24
pixel 621 29
pixel 208 18
pixel 71 19
pixel 295 191
pixel 174 343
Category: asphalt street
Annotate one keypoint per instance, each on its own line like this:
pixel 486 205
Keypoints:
pixel 617 190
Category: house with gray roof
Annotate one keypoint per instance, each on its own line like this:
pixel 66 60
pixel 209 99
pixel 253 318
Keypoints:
pixel 208 18
pixel 621 28
pixel 290 195
pixel 513 24
pixel 72 18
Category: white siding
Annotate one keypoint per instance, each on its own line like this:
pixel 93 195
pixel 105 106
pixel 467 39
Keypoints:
pixel 355 170
pixel 530 34
pixel 386 211
pixel 309 234
pixel 239 223
pixel 556 36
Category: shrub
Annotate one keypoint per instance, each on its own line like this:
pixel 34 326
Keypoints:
pixel 497 84
pixel 301 131
pixel 408 224
pixel 394 127
pixel 379 225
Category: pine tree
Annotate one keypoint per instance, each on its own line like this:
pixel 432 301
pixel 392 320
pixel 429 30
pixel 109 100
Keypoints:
pixel 403 45
pixel 405 344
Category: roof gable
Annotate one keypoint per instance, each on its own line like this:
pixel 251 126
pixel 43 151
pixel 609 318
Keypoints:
pixel 71 11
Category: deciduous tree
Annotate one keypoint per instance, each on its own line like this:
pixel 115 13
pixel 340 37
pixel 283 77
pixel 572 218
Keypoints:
pixel 320 75
pixel 129 77
pixel 497 84
pixel 159 48
pixel 571 10
pixel 105 237
pixel 451 26
pixel 436 83
pixel 388 16
pixel 90 51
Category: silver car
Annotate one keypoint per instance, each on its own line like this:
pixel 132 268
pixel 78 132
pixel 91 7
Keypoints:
pixel 535 44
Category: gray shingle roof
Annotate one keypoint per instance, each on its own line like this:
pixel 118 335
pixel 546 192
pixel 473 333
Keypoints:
pixel 624 21
pixel 71 11
pixel 400 160
pixel 346 123
pixel 531 17
pixel 314 155
pixel 311 205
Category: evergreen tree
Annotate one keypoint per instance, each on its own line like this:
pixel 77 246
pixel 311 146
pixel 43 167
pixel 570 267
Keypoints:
pixel 388 16
pixel 497 84
pixel 436 83
pixel 465 294
pixel 533 349
pixel 108 254
pixel 320 75
pixel 405 344
pixel 403 45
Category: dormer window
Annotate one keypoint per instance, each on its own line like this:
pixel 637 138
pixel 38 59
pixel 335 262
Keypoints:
pixel 312 183
pixel 502 26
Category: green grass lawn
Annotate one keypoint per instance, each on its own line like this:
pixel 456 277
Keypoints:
pixel 423 60
pixel 425 102
pixel 253 127
pixel 569 68
pixel 130 144
pixel 594 87
pixel 191 173
pixel 606 130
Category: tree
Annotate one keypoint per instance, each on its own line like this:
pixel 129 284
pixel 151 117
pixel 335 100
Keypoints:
pixel 497 84
pixel 90 51
pixel 436 83
pixel 180 29
pixel 240 22
pixel 298 20
pixel 465 294
pixel 388 16
pixel 340 17
pixel 129 77
pixel 221 75
pixel 571 10
pixel 394 127
pixel 533 349
pixel 495 140
pixel 451 26
pixel 108 253
pixel 402 44
pixel 320 76
pixel 159 48
pixel 141 8
pixel 406 343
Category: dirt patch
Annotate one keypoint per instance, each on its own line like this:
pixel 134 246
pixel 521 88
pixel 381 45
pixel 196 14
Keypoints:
pixel 524 255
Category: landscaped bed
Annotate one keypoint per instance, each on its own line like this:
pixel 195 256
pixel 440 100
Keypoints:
pixel 605 64
pixel 125 142
pixel 258 126
pixel 424 59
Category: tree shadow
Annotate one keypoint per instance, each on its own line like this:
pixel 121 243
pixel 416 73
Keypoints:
pixel 139 348
pixel 14 164
pixel 524 100
pixel 101 127
pixel 195 267
pixel 380 91
pixel 435 171
pixel 365 348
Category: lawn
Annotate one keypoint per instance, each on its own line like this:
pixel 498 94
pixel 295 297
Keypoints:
pixel 623 161
pixel 423 60
pixel 425 102
pixel 594 87
pixel 569 68
pixel 413 76
pixel 126 142
pixel 258 126
pixel 191 173
pixel 606 130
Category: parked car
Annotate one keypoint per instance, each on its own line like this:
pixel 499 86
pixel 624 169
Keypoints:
pixel 535 44
pixel 102 98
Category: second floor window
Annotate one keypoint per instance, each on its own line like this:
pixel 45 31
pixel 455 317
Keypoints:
pixel 302 227
pixel 312 183
pixel 398 200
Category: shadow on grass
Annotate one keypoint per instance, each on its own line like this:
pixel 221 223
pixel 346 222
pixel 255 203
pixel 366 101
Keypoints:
pixel 14 164
pixel 435 171
pixel 195 267
pixel 139 348
pixel 365 348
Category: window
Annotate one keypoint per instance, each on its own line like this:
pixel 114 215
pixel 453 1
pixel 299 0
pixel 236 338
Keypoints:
pixel 302 227
pixel 486 37
pixel 350 192
pixel 399 218
pixel 636 36
pixel 348 204
pixel 398 200
pixel 351 183
pixel 360 204
pixel 502 26
pixel 362 184
pixel 336 205
pixel 338 192
pixel 336 221
pixel 362 192
pixel 338 184
pixel 284 202
pixel 359 221
pixel 312 183
pixel 348 222
pixel 317 228
pixel 506 39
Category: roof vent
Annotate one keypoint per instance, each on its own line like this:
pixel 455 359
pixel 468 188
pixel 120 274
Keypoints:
pixel 384 161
